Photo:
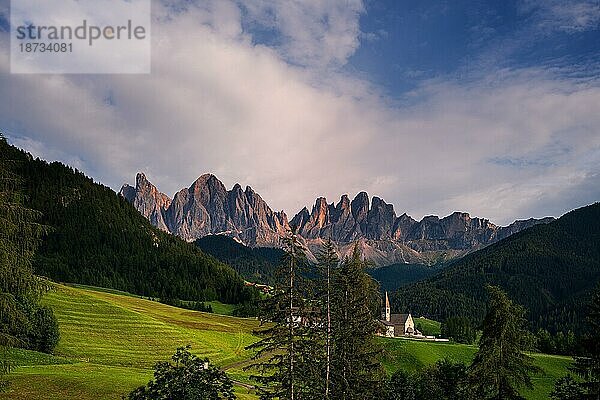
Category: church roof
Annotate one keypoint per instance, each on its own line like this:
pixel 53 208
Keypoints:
pixel 398 319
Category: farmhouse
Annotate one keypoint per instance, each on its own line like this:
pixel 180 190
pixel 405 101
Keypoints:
pixel 396 325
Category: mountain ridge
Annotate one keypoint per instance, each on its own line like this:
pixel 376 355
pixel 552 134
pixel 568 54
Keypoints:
pixel 207 208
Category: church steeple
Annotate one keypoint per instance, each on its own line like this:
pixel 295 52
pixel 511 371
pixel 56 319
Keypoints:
pixel 387 312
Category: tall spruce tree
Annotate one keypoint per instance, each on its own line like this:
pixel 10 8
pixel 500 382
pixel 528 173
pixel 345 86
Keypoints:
pixel 284 356
pixel 19 288
pixel 327 263
pixel 587 366
pixel 500 366
pixel 356 371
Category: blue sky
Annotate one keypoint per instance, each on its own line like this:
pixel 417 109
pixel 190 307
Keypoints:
pixel 412 41
pixel 488 107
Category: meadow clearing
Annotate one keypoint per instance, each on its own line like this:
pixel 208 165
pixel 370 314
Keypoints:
pixel 111 340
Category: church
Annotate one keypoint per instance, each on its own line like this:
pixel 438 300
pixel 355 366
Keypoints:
pixel 396 325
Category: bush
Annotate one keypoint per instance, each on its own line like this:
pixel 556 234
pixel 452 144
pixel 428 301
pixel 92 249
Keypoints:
pixel 459 329
pixel 246 309
pixel 445 380
pixel 186 378
pixel 44 335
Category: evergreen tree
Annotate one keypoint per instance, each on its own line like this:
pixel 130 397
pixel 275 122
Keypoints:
pixel 327 262
pixel 567 388
pixel 19 236
pixel 500 366
pixel 587 367
pixel 445 380
pixel 284 355
pixel 400 387
pixel 356 371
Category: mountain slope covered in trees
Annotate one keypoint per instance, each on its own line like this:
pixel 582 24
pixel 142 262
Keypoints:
pixel 97 238
pixel 255 264
pixel 395 276
pixel 550 269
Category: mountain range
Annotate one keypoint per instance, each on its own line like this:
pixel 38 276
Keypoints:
pixel 208 208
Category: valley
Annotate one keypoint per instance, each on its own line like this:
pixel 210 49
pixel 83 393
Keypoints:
pixel 110 341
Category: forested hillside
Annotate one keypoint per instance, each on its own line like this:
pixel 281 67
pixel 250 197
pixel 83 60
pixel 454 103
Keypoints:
pixel 392 277
pixel 550 269
pixel 98 238
pixel 254 264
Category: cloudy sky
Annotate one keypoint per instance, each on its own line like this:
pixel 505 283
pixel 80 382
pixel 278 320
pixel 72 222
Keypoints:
pixel 489 107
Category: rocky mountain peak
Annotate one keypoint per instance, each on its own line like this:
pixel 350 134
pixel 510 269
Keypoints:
pixel 344 203
pixel 128 192
pixel 147 199
pixel 207 207
pixel 360 204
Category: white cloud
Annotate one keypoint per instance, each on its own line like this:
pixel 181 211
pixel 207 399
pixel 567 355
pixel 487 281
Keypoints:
pixel 512 145
pixel 314 32
pixel 567 16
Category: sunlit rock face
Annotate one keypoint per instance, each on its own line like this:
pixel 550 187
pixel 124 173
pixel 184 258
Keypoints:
pixel 146 198
pixel 208 208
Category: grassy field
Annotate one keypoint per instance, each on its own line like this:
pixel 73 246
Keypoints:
pixel 427 326
pixel 111 340
pixel 413 355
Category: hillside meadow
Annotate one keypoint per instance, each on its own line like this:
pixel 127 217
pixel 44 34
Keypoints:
pixel 110 342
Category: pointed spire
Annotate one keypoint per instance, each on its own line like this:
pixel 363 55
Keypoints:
pixel 387 312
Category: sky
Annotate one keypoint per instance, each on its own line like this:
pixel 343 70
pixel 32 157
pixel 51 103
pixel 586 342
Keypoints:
pixel 487 107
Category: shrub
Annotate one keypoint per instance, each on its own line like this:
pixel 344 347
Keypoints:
pixel 186 378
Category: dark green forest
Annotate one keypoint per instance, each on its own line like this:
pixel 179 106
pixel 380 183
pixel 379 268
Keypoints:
pixel 259 264
pixel 97 238
pixel 395 276
pixel 254 264
pixel 550 269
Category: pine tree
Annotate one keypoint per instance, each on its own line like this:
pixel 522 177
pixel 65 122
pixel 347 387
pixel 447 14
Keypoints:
pixel 19 236
pixel 284 354
pixel 587 367
pixel 500 366
pixel 327 262
pixel 356 371
pixel 567 388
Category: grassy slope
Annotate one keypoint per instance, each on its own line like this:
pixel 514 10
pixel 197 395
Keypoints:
pixel 113 341
pixel 414 355
pixel 428 326
pixel 109 343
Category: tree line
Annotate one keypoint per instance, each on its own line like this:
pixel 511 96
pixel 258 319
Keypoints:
pixel 23 321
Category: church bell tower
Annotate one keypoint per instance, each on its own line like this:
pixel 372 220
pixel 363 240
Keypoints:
pixel 386 312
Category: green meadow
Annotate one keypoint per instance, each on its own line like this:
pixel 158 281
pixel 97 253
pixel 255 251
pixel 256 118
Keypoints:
pixel 110 342
pixel 412 355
